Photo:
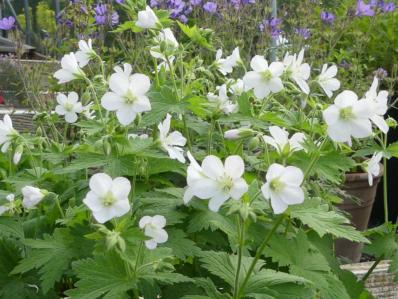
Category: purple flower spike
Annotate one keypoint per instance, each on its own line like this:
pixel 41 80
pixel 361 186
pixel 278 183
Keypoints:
pixel 364 9
pixel 120 1
pixel 305 33
pixel 328 17
pixel 210 7
pixel 114 18
pixel 7 23
pixel 101 9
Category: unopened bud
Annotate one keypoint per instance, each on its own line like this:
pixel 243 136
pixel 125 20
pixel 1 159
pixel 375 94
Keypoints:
pixel 106 147
pixel 254 143
pixel 238 133
pixel 17 155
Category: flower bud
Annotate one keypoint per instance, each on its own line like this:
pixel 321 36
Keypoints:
pixel 238 133
pixel 17 155
pixel 254 143
pixel 32 196
pixel 113 239
pixel 106 147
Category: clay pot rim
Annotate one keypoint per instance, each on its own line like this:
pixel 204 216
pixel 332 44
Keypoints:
pixel 362 176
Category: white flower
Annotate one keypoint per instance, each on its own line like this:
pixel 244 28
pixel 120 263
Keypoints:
pixel 348 117
pixel 7 133
pixel 127 96
pixel 173 142
pixel 6 207
pixel 215 181
pixel 281 142
pixel 108 198
pixel 226 65
pixel 153 228
pixel 378 103
pixel 222 101
pixel 147 19
pixel 141 136
pixel 372 166
pixel 87 111
pixel 327 81
pixel 281 40
pixel 31 196
pixel 237 87
pixel 167 37
pixel 70 69
pixel 297 70
pixel 85 53
pixel 264 78
pixel 69 106
pixel 282 187
pixel 165 64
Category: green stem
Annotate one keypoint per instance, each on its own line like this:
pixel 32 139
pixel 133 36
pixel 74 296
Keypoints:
pixel 210 140
pixel 385 186
pixel 241 228
pixel 138 257
pixel 376 262
pixel 258 254
pixel 59 207
pixel 314 159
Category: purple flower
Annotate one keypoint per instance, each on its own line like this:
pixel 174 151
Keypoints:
pixel 114 18
pixel 7 23
pixel 100 20
pixel 154 3
pixel 210 7
pixel 248 1
pixel 389 7
pixel 195 2
pixel 120 1
pixel 328 17
pixel 380 73
pixel 272 25
pixel 305 33
pixel 183 19
pixel 101 9
pixel 364 9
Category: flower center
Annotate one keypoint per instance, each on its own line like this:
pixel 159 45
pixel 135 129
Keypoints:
pixel 109 199
pixel 68 107
pixel 226 183
pixel 346 113
pixel 267 75
pixel 277 185
pixel 130 97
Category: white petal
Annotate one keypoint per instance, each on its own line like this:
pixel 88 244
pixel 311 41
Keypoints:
pixel 144 221
pixel 274 171
pixel 121 187
pixel 161 236
pixel 212 167
pixel 346 98
pixel 234 166
pixel 126 115
pixel 280 136
pixel 239 188
pixel 100 183
pixel 331 115
pixel 339 132
pixel 217 201
pixel 292 176
pixel 275 85
pixel 159 221
pixel 276 68
pixel 381 123
pixel 112 101
pixel 262 90
pixel 259 63
pixel 142 104
pixel 204 188
pixel 93 201
pixel 278 206
pixel 62 99
pixel 70 117
pixel 140 84
pixel 292 195
pixel 60 110
pixel 251 80
pixel 120 208
pixel 151 244
pixel 361 128
pixel 119 83
pixel 103 215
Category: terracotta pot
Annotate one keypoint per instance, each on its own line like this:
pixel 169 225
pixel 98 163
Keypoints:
pixel 360 208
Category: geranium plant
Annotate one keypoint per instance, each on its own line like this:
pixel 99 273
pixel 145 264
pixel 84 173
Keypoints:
pixel 102 203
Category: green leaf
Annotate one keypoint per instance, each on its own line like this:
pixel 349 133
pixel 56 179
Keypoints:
pixel 83 161
pixel 181 246
pixel 51 256
pixel 196 35
pixel 101 276
pixel 392 149
pixel 218 264
pixel 318 217
pixel 11 227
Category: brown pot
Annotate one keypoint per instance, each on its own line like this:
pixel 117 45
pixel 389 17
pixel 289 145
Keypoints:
pixel 360 208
